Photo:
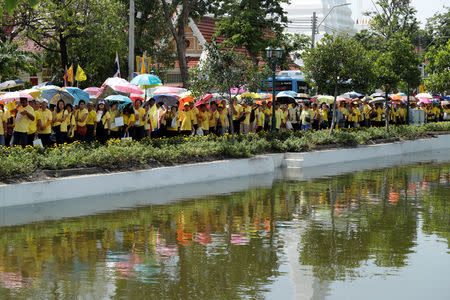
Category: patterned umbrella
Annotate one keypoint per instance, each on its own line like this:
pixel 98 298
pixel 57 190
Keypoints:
pixel 11 84
pixel 146 81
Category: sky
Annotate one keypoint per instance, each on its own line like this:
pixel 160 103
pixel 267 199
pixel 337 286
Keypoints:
pixel 427 8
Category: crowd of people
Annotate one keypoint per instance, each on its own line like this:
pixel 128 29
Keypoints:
pixel 65 123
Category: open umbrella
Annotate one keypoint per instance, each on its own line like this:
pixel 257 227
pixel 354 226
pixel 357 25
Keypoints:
pixel 121 99
pixel 109 87
pixel 325 98
pixel 396 97
pixel 168 100
pixel 184 100
pixel 303 96
pixel 352 95
pixel 129 89
pixel 374 95
pixel 168 90
pixel 53 95
pixel 41 85
pixel 92 91
pixel 287 93
pixel 9 84
pixel 424 95
pixel 77 94
pixel 14 96
pixel 146 81
pixel 377 100
pixel 424 100
pixel 285 99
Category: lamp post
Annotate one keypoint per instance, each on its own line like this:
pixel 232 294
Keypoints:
pixel 273 60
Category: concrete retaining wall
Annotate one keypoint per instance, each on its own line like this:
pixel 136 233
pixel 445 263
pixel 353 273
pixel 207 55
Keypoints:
pixel 101 184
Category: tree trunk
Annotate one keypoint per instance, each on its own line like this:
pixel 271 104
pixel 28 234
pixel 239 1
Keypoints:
pixel 63 51
pixel 387 111
pixel 182 59
pixel 230 117
pixel 333 119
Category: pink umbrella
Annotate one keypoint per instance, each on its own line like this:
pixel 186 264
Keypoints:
pixel 92 91
pixel 129 89
pixel 238 90
pixel 167 90
pixel 15 96
pixel 424 100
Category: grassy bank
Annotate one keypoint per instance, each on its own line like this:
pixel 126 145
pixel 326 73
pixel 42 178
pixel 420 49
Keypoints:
pixel 24 164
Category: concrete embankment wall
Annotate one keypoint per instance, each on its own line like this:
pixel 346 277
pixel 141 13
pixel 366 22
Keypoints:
pixel 101 184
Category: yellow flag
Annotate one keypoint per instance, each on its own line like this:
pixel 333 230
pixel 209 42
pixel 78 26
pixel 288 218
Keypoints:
pixel 143 65
pixel 80 76
pixel 421 89
pixel 70 74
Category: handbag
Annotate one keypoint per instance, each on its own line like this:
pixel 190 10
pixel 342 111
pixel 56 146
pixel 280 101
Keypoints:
pixel 200 132
pixel 289 125
pixel 37 142
pixel 81 130
pixel 241 119
pixel 126 138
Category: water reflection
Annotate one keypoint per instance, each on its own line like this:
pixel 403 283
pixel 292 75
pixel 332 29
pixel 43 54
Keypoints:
pixel 236 245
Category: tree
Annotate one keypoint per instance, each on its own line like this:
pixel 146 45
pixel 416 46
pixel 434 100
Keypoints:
pixel 398 62
pixel 438 67
pixel 437 28
pixel 153 36
pixel 177 14
pixel 250 24
pixel 222 70
pixel 393 17
pixel 11 5
pixel 335 60
pixel 293 45
pixel 13 60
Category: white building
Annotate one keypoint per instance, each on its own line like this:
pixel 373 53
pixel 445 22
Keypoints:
pixel 335 19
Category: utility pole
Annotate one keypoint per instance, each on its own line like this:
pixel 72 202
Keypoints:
pixel 313 34
pixel 131 42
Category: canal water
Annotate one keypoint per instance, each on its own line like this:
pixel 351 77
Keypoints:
pixel 380 234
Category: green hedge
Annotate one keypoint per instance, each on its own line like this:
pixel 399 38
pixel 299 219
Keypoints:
pixel 18 163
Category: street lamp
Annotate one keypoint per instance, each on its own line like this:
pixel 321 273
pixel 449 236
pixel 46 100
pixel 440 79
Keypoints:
pixel 273 60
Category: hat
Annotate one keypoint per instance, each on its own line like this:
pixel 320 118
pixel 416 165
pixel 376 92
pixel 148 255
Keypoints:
pixel 220 105
pixel 186 104
pixel 101 102
pixel 44 101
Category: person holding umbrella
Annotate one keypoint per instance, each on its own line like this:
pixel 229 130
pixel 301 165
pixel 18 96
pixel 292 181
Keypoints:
pixel 90 122
pixel 24 117
pixel 103 123
pixel 139 129
pixel 3 119
pixel 80 119
pixel 32 128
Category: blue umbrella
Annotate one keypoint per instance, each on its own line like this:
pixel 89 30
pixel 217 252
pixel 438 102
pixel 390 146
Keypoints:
pixel 53 95
pixel 119 98
pixel 11 84
pixel 77 94
pixel 290 94
pixel 146 81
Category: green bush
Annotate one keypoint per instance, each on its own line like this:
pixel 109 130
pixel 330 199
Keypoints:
pixel 16 162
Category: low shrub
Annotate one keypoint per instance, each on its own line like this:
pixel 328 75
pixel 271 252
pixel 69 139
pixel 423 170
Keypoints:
pixel 16 162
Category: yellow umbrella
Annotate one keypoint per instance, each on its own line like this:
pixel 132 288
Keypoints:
pixel 32 92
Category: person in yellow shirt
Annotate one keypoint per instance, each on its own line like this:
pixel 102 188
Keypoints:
pixel 260 118
pixel 436 112
pixel 238 112
pixel 45 123
pixel 213 119
pixel 367 109
pixel 342 113
pixel 58 118
pixel 102 123
pixel 139 128
pixel 68 125
pixel 172 121
pixel 446 112
pixel 203 119
pixel 24 116
pixel 324 116
pixel 114 113
pixel 32 128
pixel 128 119
pixel 267 109
pixel 306 117
pixel 354 116
pixel 90 122
pixel 194 114
pixel 186 121
pixel 146 107
pixel 81 115
pixel 278 116
pixel 377 115
pixel 245 124
pixel 3 119
pixel 223 122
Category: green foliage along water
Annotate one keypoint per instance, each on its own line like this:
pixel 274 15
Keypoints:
pixel 380 234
